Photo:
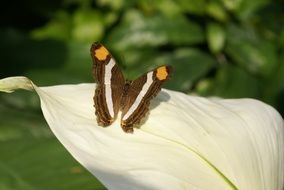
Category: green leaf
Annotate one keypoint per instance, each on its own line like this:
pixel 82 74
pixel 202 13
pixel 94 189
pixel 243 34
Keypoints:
pixel 282 38
pixel 77 68
pixel 136 61
pixel 233 82
pixel 138 30
pixel 59 28
pixel 33 159
pixel 216 37
pixel 204 87
pixel 167 7
pixel 115 5
pixel 189 65
pixel 21 100
pixel 246 48
pixel 217 11
pixel 247 9
pixel 244 9
pixel 273 86
pixel 20 53
pixel 192 6
pixel 232 5
pixel 88 26
pixel 79 63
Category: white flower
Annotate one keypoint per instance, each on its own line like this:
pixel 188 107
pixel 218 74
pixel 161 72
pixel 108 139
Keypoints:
pixel 186 142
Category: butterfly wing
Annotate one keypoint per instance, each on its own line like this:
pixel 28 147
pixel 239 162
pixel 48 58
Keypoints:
pixel 110 83
pixel 136 103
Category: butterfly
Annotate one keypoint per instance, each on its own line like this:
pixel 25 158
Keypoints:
pixel 113 93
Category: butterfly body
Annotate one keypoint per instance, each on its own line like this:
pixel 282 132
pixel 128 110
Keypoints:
pixel 114 93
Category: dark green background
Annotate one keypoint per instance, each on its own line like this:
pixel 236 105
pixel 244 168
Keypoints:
pixel 231 49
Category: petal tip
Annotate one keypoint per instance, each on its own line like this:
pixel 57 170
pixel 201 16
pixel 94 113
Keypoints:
pixel 11 84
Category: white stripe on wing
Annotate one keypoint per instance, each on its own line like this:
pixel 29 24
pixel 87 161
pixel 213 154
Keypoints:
pixel 140 96
pixel 107 82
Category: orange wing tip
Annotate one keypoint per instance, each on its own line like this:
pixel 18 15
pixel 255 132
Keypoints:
pixel 162 73
pixel 101 52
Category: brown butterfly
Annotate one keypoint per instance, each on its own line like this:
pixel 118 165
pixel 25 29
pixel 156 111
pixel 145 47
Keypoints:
pixel 114 93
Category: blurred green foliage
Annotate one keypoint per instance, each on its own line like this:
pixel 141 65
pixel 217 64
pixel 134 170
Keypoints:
pixel 225 48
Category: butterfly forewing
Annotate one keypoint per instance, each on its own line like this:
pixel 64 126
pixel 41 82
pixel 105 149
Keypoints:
pixel 135 104
pixel 110 84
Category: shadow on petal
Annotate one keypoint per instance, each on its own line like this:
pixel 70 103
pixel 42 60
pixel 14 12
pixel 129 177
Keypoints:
pixel 163 96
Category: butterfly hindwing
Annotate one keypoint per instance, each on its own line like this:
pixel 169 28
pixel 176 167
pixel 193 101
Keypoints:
pixel 135 104
pixel 110 83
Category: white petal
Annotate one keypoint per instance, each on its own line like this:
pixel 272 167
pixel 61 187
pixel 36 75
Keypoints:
pixel 186 142
pixel 11 84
